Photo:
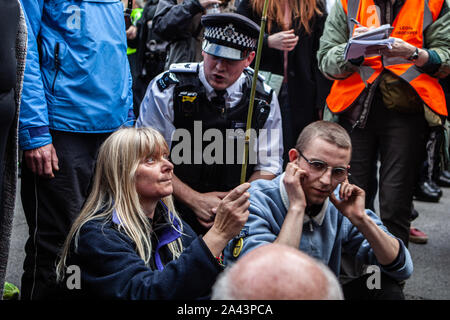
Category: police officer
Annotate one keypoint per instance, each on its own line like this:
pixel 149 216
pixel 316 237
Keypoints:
pixel 201 109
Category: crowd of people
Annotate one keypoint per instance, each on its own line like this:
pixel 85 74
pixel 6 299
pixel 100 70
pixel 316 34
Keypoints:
pixel 133 121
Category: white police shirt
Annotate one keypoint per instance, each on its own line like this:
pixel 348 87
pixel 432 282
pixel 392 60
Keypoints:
pixel 156 111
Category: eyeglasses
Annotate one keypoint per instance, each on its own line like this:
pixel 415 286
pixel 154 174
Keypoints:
pixel 320 167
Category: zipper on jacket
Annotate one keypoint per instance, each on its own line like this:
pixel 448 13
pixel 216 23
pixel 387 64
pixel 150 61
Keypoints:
pixel 362 121
pixel 366 105
pixel 57 65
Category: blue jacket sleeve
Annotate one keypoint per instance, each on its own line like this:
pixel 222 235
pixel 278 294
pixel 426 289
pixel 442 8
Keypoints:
pixel 261 228
pixel 112 269
pixel 131 119
pixel 33 120
pixel 356 244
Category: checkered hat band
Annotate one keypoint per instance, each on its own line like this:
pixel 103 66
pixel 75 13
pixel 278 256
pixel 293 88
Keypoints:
pixel 228 35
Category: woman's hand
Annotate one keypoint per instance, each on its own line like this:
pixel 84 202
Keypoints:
pixel 284 40
pixel 231 216
pixel 232 212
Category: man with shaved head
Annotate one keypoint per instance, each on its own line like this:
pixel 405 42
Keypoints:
pixel 294 276
pixel 313 208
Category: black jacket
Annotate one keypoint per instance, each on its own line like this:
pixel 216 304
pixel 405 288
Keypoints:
pixel 112 269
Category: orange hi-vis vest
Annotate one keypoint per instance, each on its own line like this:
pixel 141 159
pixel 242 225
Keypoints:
pixel 414 17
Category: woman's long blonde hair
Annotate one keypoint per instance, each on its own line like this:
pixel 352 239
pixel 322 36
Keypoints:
pixel 114 189
pixel 303 10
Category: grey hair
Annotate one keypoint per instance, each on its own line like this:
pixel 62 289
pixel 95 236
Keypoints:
pixel 334 291
pixel 221 290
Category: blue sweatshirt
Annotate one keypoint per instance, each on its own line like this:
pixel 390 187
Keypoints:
pixel 324 237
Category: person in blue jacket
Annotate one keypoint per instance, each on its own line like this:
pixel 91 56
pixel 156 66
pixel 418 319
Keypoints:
pixel 129 241
pixel 76 91
pixel 312 207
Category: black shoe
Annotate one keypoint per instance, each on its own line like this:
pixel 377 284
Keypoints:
pixel 435 187
pixel 414 214
pixel 424 192
pixel 446 173
pixel 444 179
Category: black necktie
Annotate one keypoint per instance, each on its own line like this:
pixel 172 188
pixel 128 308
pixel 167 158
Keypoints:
pixel 219 100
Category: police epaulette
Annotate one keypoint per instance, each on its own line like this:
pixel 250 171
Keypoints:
pixel 251 71
pixel 166 80
pixel 191 67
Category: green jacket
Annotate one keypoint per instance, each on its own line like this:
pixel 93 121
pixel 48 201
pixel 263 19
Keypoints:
pixel 331 61
pixel 336 34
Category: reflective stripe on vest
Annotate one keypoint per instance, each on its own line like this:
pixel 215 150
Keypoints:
pixel 408 27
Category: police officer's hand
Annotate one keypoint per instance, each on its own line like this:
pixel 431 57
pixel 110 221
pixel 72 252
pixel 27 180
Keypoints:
pixel 284 40
pixel 207 3
pixel 42 161
pixel 205 207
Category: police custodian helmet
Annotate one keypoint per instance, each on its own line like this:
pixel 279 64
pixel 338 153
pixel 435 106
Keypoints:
pixel 229 35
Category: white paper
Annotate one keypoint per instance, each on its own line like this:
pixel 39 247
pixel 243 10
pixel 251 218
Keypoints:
pixel 356 46
pixel 382 32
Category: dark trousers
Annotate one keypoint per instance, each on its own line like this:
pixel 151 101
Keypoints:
pixel 7 113
pixel 358 289
pixel 51 205
pixel 399 140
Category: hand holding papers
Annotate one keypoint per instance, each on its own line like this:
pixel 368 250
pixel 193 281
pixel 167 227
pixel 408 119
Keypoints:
pixel 379 37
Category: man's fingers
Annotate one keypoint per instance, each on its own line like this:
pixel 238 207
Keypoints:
pixel 55 161
pixel 222 194
pixel 30 162
pixel 342 190
pixel 38 164
pixel 47 164
pixel 360 30
pixel 290 168
pixel 333 200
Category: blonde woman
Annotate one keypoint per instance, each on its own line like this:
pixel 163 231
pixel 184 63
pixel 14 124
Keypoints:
pixel 129 242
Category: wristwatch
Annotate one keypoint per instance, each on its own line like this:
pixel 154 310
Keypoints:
pixel 415 55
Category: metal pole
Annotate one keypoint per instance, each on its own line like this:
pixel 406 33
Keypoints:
pixel 252 92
